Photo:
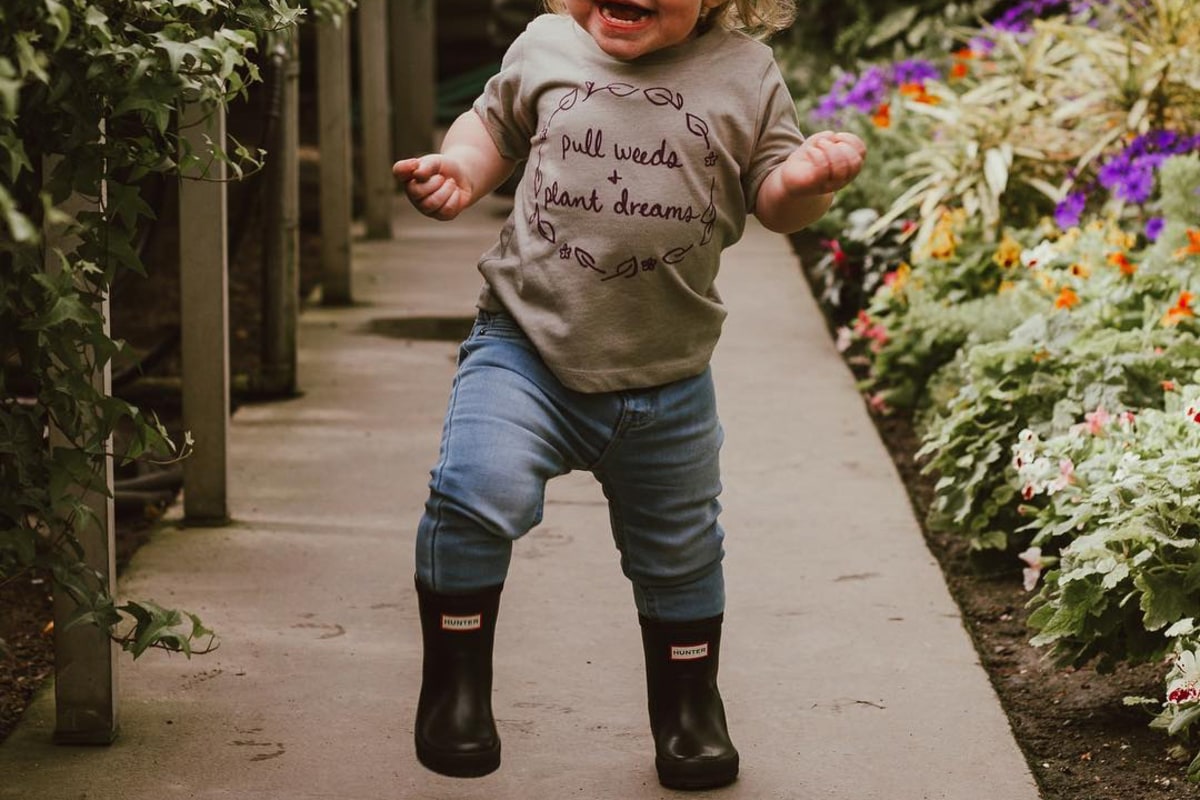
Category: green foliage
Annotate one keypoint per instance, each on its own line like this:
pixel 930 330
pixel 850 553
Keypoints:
pixel 89 97
pixel 1115 495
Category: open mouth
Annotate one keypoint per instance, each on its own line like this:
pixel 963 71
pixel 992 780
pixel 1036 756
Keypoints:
pixel 623 13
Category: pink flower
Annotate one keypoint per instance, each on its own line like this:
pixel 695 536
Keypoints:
pixel 839 255
pixel 1066 476
pixel 878 403
pixel 1096 420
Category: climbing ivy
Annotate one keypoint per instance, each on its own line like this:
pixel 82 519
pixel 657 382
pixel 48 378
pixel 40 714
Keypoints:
pixel 90 94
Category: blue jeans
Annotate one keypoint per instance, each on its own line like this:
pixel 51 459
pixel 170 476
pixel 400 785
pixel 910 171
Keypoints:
pixel 511 426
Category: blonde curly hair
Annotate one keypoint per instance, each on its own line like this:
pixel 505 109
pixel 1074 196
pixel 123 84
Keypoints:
pixel 759 18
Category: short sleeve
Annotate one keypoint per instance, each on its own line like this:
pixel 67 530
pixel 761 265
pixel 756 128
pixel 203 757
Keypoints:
pixel 778 133
pixel 505 106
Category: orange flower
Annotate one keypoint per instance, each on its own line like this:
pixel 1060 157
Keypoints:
pixel 1192 247
pixel 917 92
pixel 965 54
pixel 958 70
pixel 1168 386
pixel 1066 298
pixel 1180 311
pixel 1122 262
pixel 883 116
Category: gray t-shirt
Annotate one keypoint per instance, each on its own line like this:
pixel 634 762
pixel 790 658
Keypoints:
pixel 638 175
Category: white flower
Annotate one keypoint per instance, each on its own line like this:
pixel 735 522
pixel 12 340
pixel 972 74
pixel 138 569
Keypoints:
pixel 1184 687
pixel 1039 257
pixel 845 338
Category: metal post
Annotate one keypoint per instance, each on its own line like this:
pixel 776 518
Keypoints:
pixel 281 252
pixel 414 78
pixel 376 117
pixel 85 657
pixel 333 110
pixel 204 287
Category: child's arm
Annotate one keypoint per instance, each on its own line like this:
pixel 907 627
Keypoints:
pixel 800 190
pixel 442 185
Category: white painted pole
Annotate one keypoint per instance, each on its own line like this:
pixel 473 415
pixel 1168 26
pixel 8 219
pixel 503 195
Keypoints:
pixel 85 657
pixel 414 76
pixel 378 184
pixel 333 110
pixel 204 314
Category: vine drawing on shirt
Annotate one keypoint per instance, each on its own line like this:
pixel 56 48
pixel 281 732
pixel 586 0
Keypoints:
pixel 697 221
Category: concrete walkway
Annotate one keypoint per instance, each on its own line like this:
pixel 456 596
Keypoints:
pixel 846 670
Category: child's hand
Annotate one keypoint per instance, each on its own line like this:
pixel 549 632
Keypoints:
pixel 434 185
pixel 826 162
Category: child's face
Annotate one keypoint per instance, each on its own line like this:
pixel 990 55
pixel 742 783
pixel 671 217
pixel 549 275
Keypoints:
pixel 627 29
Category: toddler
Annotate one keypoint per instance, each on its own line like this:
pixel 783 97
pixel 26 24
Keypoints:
pixel 649 130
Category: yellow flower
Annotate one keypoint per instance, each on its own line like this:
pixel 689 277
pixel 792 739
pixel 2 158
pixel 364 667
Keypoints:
pixel 1006 286
pixel 1119 238
pixel 1081 270
pixel 1008 254
pixel 898 278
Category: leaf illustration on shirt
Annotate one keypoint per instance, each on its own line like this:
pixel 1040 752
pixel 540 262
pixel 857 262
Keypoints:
pixel 709 217
pixel 544 227
pixel 568 100
pixel 626 269
pixel 537 180
pixel 586 259
pixel 698 127
pixel 621 89
pixel 661 96
pixel 675 254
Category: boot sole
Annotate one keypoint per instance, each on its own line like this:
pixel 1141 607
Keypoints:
pixel 694 775
pixel 459 765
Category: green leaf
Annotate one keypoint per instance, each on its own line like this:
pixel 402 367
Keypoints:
pixel 1164 599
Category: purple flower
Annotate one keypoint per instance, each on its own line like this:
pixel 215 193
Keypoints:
pixel 1129 175
pixel 1068 212
pixel 981 44
pixel 869 92
pixel 913 70
pixel 1154 227
pixel 862 93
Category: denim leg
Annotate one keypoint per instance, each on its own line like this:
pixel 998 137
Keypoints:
pixel 510 427
pixel 662 479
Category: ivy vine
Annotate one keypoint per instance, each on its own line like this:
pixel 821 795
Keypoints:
pixel 90 95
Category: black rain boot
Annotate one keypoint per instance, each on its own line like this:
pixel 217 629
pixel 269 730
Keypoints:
pixel 687 718
pixel 455 732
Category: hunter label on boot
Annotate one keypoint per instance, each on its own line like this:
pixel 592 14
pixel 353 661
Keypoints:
pixel 689 652
pixel 468 623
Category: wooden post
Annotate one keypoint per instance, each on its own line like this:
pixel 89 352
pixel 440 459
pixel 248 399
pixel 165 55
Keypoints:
pixel 85 657
pixel 333 110
pixel 281 297
pixel 414 76
pixel 204 317
pixel 376 116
